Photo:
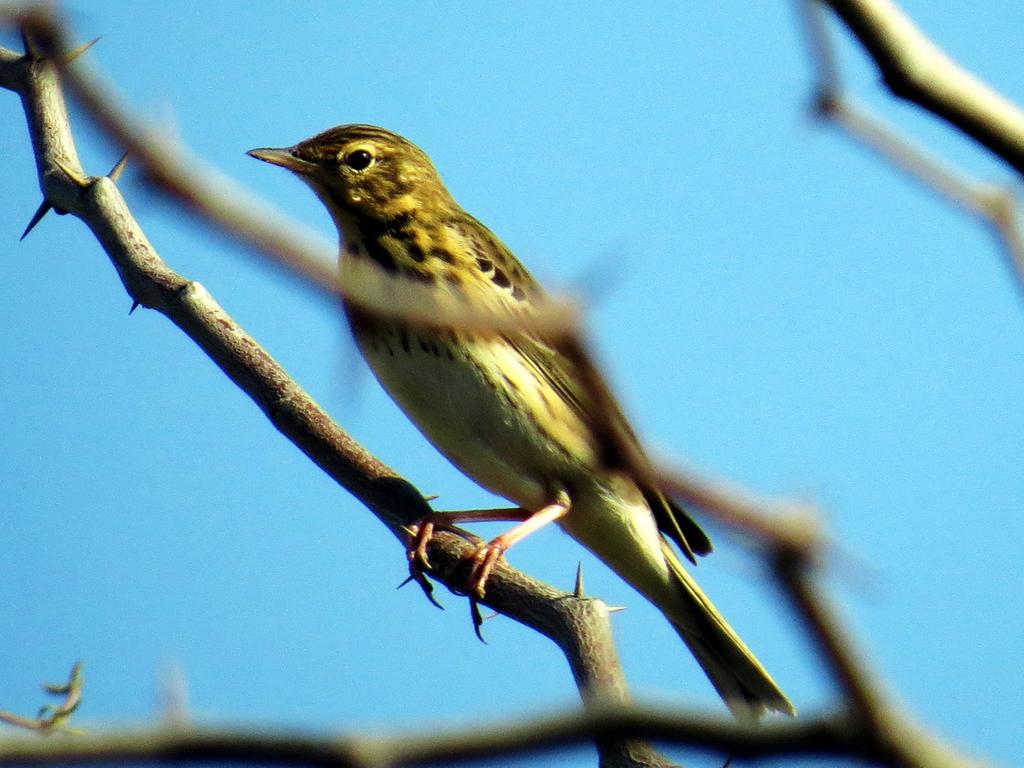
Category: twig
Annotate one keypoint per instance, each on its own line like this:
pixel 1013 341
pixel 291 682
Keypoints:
pixel 767 525
pixel 893 738
pixel 168 166
pixel 52 717
pixel 914 68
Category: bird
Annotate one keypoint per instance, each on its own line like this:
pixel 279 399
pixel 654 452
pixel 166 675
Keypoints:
pixel 508 407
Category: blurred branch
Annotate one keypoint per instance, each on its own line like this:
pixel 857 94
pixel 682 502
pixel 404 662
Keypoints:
pixel 833 736
pixel 765 524
pixel 227 206
pixel 790 539
pixel 887 733
pixel 914 68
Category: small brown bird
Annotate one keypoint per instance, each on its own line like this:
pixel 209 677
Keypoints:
pixel 510 409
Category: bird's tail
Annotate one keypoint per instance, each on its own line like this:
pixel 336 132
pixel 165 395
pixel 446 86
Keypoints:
pixel 737 675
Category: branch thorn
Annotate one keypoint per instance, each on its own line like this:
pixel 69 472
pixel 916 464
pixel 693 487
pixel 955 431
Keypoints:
pixel 75 175
pixel 31 49
pixel 43 209
pixel 415 574
pixel 72 55
pixel 577 590
pixel 118 169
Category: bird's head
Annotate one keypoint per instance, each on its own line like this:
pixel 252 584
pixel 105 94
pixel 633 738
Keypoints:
pixel 364 172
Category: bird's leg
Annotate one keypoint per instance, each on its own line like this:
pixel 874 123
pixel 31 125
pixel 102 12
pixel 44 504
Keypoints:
pixel 487 555
pixel 422 532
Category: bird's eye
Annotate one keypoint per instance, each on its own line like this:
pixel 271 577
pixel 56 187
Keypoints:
pixel 358 160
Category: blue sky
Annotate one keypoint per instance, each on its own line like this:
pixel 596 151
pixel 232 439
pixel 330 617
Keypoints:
pixel 772 303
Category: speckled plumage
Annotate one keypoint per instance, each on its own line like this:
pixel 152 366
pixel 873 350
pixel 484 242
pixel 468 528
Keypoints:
pixel 508 409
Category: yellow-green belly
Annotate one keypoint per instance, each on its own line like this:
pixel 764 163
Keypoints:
pixel 480 404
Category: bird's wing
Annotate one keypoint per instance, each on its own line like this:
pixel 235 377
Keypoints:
pixel 569 372
pixel 567 368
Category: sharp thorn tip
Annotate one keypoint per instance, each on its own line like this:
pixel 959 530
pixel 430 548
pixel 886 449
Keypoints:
pixel 80 180
pixel 42 210
pixel 31 51
pixel 71 56
pixel 577 590
pixel 118 169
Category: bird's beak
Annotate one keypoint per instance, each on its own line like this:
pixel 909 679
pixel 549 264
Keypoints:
pixel 284 157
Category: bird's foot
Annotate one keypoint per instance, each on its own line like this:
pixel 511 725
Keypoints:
pixel 420 535
pixel 482 563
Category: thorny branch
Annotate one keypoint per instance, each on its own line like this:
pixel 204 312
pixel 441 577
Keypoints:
pixel 868 726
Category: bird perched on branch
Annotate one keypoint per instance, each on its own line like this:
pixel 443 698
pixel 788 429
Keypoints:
pixel 515 407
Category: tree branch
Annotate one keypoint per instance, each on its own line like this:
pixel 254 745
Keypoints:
pixel 916 69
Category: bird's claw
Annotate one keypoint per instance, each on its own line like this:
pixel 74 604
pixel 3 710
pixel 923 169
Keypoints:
pixel 477 618
pixel 421 532
pixel 416 552
pixel 420 535
pixel 483 562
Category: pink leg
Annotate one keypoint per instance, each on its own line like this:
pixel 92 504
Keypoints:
pixel 486 556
